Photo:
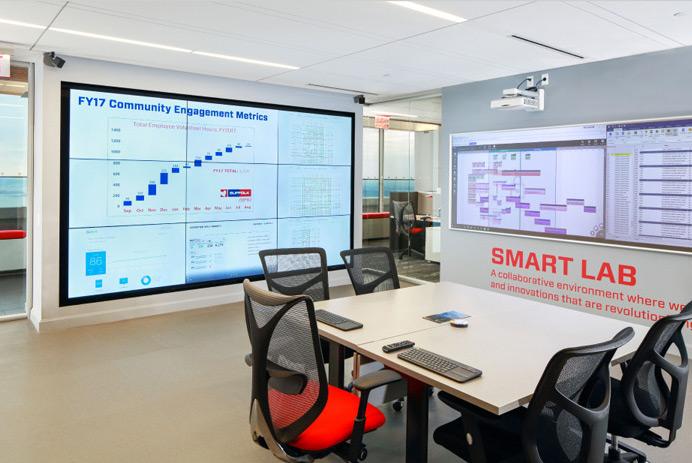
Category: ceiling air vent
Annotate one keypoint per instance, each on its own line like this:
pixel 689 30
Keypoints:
pixel 349 90
pixel 546 46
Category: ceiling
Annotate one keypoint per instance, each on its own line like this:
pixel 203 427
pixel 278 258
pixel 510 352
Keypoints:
pixel 415 109
pixel 371 47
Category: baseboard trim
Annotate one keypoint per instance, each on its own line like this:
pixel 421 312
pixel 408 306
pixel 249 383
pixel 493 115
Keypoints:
pixel 150 310
pixel 234 294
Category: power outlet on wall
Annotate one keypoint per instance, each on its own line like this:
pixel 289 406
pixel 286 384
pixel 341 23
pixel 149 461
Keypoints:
pixel 545 79
pixel 529 81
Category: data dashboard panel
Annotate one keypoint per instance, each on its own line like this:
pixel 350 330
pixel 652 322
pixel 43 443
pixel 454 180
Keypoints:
pixel 649 166
pixel 625 183
pixel 164 192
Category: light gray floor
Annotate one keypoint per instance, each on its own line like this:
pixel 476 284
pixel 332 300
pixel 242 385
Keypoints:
pixel 167 389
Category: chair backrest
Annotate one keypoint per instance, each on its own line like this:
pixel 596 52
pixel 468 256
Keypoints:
pixel 295 271
pixel 650 398
pixel 289 384
pixel 408 217
pixel 560 426
pixel 404 216
pixel 371 269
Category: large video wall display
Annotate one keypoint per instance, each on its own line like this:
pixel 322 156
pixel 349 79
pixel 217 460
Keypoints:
pixel 165 192
pixel 621 183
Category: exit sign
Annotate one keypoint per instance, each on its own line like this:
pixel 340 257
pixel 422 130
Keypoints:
pixel 382 122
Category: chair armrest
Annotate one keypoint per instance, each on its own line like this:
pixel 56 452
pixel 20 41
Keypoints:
pixel 376 379
pixel 365 384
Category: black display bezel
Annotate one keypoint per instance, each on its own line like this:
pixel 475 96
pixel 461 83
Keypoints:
pixel 66 87
pixel 454 225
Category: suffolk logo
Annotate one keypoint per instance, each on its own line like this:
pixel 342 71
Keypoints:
pixel 242 193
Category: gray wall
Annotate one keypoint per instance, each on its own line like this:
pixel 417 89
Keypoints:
pixel 643 86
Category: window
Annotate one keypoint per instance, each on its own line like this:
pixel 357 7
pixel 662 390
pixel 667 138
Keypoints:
pixel 14 189
pixel 399 164
pixel 371 170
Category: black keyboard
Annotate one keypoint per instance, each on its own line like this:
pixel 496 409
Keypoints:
pixel 337 321
pixel 456 371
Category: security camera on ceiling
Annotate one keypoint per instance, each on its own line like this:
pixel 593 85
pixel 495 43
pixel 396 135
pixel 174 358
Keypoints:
pixel 53 60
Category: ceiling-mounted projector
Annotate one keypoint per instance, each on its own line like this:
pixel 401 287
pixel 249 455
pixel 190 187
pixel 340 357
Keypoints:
pixel 517 99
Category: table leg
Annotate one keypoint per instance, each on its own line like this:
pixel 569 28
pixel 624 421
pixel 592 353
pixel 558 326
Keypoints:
pixel 417 421
pixel 473 437
pixel 336 364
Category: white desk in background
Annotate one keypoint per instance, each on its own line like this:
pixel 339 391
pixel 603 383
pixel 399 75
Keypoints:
pixel 510 339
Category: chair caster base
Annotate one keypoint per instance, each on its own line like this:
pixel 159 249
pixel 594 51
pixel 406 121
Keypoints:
pixel 624 454
pixel 398 405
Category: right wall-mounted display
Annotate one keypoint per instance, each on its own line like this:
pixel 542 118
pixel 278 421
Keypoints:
pixel 622 183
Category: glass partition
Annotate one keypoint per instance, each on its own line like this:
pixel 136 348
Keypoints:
pixel 14 189
pixel 371 170
pixel 399 165
pixel 400 179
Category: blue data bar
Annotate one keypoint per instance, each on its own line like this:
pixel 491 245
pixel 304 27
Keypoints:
pixel 139 198
pixel 208 157
pixel 219 153
pixel 229 149
pixel 164 178
pixel 127 203
pixel 175 170
pixel 198 163
pixel 152 190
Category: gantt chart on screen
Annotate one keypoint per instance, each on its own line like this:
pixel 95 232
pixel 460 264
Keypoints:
pixel 623 183
pixel 166 192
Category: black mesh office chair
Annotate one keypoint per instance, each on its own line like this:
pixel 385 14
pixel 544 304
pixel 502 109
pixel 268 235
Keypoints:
pixel 294 271
pixel 405 225
pixel 294 412
pixel 372 270
pixel 559 425
pixel 643 399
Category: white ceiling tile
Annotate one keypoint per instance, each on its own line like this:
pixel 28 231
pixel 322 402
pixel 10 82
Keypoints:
pixel 623 22
pixel 497 54
pixel 428 61
pixel 124 53
pixel 232 22
pixel 33 12
pixel 141 30
pixel 472 9
pixel 376 18
pixel 572 29
pixel 671 19
pixel 367 79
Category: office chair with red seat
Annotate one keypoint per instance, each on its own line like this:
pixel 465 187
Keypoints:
pixel 405 225
pixel 294 412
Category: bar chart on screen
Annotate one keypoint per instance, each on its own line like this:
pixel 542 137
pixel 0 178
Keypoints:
pixel 199 188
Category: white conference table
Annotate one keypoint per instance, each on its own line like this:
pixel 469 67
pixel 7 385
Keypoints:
pixel 510 339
